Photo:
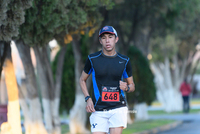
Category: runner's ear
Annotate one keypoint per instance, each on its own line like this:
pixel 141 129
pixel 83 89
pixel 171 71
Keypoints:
pixel 116 39
pixel 100 41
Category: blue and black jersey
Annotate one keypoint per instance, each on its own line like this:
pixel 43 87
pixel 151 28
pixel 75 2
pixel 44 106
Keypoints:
pixel 106 72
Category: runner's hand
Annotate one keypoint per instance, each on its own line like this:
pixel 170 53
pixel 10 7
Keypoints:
pixel 122 85
pixel 90 106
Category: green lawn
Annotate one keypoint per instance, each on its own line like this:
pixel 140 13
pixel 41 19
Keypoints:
pixel 65 129
pixel 139 126
pixel 159 112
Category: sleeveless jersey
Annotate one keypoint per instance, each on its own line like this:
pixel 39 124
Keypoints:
pixel 106 72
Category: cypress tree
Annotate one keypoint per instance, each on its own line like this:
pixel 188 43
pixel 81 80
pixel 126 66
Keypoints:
pixel 145 90
pixel 11 17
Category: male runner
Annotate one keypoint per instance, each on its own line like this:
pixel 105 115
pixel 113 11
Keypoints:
pixel 108 68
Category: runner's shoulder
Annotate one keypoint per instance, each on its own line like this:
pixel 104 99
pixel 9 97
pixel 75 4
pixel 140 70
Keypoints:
pixel 123 56
pixel 96 54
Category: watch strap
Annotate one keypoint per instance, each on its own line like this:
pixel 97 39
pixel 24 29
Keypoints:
pixel 128 89
pixel 86 98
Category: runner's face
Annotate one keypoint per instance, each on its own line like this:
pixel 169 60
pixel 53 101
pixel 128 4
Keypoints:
pixel 108 42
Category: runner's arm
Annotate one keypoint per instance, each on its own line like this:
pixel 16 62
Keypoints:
pixel 82 81
pixel 129 82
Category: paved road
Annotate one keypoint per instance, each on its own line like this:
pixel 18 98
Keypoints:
pixel 190 125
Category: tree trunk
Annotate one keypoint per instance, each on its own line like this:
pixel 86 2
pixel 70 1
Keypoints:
pixel 129 120
pixel 34 117
pixel 58 82
pixel 44 86
pixel 33 123
pixel 14 121
pixel 194 70
pixel 51 98
pixel 167 92
pixel 142 112
pixel 78 112
pixel 168 82
pixel 52 91
pixel 142 37
pixel 25 108
pixel 3 51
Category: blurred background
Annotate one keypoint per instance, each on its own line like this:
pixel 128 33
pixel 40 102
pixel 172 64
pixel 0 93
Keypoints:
pixel 44 45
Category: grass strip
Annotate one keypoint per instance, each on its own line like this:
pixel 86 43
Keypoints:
pixel 160 112
pixel 64 129
pixel 140 126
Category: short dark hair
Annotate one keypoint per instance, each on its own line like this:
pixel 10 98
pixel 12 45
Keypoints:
pixel 106 33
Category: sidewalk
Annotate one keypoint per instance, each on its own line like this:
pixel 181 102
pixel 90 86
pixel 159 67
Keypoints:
pixel 181 120
pixel 186 123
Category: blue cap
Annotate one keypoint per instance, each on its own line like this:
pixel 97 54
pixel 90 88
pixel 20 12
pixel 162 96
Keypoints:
pixel 108 29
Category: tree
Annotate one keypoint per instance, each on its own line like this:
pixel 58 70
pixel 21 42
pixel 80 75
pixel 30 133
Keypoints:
pixel 144 20
pixel 55 18
pixel 78 119
pixel 145 92
pixel 68 78
pixel 163 78
pixel 33 118
pixel 173 54
pixel 135 24
pixel 143 78
pixel 11 17
pixel 38 31
pixel 14 122
pixel 52 20
pixel 68 84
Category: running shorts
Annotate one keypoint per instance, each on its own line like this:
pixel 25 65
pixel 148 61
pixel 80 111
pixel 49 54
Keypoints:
pixel 101 121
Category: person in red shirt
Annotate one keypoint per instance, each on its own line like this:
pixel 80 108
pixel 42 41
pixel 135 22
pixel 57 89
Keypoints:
pixel 185 89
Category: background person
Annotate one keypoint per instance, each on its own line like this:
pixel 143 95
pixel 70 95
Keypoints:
pixel 185 89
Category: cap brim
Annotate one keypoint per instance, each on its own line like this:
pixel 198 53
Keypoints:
pixel 106 32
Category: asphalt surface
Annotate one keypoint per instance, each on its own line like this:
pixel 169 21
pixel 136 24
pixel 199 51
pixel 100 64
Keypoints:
pixel 190 123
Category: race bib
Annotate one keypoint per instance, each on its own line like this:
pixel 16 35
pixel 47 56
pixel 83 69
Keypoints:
pixel 110 94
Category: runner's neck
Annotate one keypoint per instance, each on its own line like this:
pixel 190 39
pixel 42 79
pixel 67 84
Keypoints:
pixel 111 53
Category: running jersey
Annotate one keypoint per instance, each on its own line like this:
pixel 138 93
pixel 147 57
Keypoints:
pixel 106 72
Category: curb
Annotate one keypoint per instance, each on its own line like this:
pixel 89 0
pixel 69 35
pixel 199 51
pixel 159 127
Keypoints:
pixel 161 129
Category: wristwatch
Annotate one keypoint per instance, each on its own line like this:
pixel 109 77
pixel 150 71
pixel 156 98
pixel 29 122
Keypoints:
pixel 86 98
pixel 128 89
